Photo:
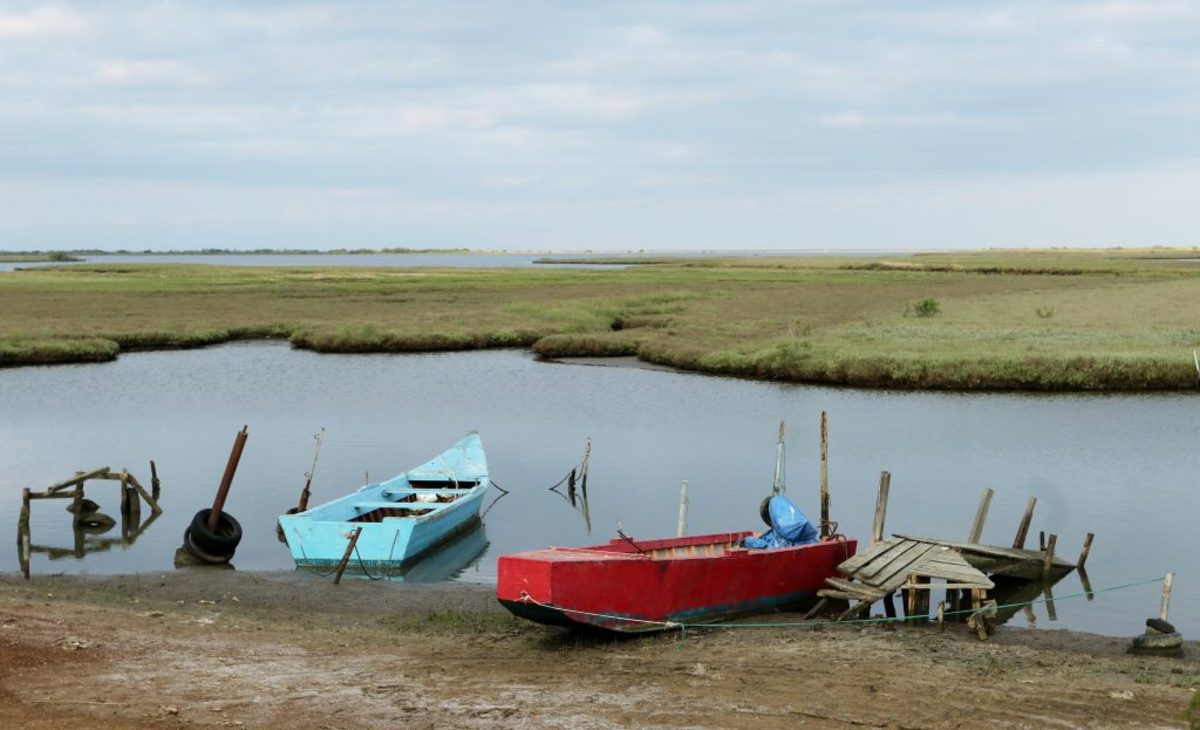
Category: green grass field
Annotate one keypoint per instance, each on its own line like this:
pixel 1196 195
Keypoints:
pixel 1034 320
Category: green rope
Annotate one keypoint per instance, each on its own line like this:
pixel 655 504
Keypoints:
pixel 885 619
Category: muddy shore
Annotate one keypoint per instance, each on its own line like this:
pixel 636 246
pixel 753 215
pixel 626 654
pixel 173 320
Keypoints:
pixel 199 648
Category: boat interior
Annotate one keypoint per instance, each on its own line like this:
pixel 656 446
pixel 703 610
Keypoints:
pixel 699 546
pixel 419 497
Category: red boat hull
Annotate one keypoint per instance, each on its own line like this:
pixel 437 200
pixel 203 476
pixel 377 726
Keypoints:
pixel 649 585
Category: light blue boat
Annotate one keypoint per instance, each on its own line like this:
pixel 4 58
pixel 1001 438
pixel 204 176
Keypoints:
pixel 401 518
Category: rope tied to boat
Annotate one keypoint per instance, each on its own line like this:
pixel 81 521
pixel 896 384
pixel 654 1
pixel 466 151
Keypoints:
pixel 526 598
pixel 683 627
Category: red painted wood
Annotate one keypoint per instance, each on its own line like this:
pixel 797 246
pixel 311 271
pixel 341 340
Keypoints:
pixel 615 580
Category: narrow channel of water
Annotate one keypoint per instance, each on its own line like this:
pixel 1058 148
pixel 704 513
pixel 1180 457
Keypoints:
pixel 1122 466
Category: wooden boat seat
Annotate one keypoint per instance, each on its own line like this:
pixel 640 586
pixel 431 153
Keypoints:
pixel 362 507
pixel 407 491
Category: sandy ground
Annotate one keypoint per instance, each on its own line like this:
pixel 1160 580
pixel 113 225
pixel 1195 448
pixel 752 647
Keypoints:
pixel 197 648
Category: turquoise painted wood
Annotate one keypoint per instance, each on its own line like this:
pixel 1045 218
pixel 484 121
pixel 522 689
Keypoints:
pixel 401 518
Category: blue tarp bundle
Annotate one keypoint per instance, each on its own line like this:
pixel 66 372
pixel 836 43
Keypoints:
pixel 789 527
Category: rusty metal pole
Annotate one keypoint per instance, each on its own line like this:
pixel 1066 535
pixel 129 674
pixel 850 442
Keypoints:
pixel 239 443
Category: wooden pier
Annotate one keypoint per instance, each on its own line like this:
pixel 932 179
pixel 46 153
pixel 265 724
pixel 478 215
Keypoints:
pixel 965 570
pixel 84 517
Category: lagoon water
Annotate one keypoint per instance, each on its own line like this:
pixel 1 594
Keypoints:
pixel 1122 466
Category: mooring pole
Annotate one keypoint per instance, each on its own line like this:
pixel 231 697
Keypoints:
pixel 1023 528
pixel 778 485
pixel 304 495
pixel 239 443
pixel 824 475
pixel 980 516
pixel 154 483
pixel 1087 548
pixel 346 556
pixel 1166 597
pixel 881 501
pixel 683 508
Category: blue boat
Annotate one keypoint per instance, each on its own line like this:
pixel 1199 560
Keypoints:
pixel 401 518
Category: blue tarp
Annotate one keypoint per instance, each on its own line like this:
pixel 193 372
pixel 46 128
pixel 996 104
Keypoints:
pixel 789 527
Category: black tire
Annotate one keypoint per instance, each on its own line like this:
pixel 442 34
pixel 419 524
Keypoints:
pixel 189 544
pixel 1157 641
pixel 1160 626
pixel 221 541
pixel 764 511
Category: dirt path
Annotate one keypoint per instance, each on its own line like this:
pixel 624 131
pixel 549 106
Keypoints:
pixel 247 650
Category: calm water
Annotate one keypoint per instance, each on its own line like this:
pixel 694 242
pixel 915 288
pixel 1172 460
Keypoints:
pixel 417 260
pixel 1124 467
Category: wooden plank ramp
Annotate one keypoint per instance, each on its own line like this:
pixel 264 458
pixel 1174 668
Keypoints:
pixel 897 562
pixel 1010 562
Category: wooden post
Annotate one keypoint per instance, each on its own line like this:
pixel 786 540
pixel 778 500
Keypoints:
pixel 1042 540
pixel 941 615
pixel 1051 612
pixel 1048 558
pixel 125 507
pixel 889 606
pixel 778 485
pixel 1087 548
pixel 1023 529
pixel 583 469
pixel 980 516
pixel 1166 596
pixel 23 520
pixel 683 508
pixel 346 556
pixel 151 500
pixel 1087 584
pixel 977 606
pixel 77 505
pixel 154 483
pixel 881 502
pixel 824 475
pixel 910 604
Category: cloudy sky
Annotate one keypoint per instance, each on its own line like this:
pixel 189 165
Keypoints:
pixel 551 125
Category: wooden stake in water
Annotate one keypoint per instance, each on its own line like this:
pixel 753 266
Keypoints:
pixel 1166 596
pixel 824 475
pixel 346 556
pixel 683 508
pixel 1023 528
pixel 778 486
pixel 881 500
pixel 980 516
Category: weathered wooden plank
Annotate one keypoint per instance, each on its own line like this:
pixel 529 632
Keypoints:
pixel 839 595
pixel 988 550
pixel 78 479
pixel 898 566
pixel 858 589
pixel 858 561
pixel 980 516
pixel 881 501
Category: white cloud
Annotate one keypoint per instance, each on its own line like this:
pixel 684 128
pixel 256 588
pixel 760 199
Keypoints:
pixel 150 73
pixel 42 23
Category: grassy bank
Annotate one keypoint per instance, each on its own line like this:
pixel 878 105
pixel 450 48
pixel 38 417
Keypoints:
pixel 1055 320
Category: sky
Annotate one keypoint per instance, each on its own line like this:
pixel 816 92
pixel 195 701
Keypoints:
pixel 656 125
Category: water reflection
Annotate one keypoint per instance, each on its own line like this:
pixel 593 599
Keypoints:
pixel 87 541
pixel 444 563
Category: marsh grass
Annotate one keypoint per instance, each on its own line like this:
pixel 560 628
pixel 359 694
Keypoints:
pixel 805 320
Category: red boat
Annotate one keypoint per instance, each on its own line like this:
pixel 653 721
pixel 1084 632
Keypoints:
pixel 649 585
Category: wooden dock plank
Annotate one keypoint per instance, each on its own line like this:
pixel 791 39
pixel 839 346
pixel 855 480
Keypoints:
pixel 899 566
pixel 876 551
pixel 859 590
